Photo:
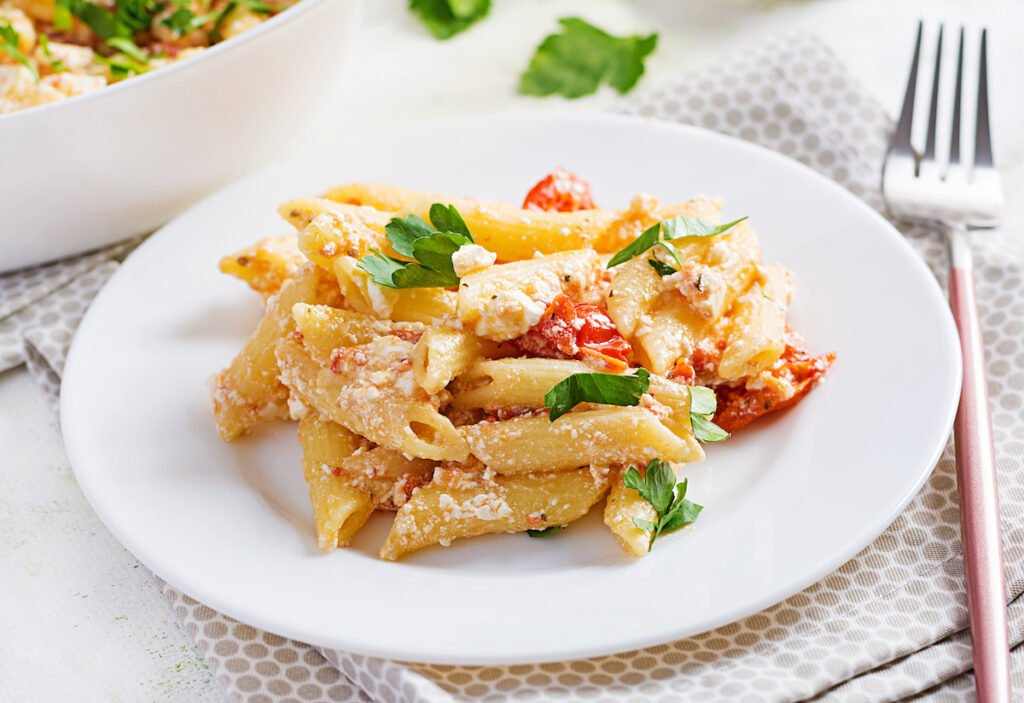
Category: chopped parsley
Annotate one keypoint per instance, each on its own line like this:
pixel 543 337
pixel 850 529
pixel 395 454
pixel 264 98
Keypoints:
pixel 9 45
pixel 660 235
pixel 55 64
pixel 546 532
pixel 659 487
pixel 576 61
pixel 603 388
pixel 430 245
pixel 703 404
pixel 446 18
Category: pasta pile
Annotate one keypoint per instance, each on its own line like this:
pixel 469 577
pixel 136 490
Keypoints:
pixel 481 368
pixel 56 49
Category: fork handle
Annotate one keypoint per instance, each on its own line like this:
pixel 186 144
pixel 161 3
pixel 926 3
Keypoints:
pixel 979 495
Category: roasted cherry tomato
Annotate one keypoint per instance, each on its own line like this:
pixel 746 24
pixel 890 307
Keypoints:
pixel 786 383
pixel 562 191
pixel 570 330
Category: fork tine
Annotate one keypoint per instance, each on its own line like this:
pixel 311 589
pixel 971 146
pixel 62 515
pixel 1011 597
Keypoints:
pixel 954 145
pixel 901 137
pixel 982 135
pixel 933 108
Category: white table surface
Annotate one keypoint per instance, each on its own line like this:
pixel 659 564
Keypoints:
pixel 81 620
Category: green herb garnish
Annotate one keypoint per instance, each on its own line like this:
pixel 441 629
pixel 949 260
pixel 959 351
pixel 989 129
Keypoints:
pixel 446 18
pixel 546 532
pixel 577 61
pixel 659 487
pixel 603 388
pixel 9 45
pixel 661 234
pixel 55 64
pixel 703 404
pixel 430 245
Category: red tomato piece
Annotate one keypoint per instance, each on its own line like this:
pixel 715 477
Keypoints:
pixel 569 330
pixel 561 191
pixel 798 372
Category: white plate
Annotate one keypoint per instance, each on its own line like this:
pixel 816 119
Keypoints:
pixel 788 500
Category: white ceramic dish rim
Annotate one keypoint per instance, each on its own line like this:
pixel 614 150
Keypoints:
pixel 552 652
pixel 270 25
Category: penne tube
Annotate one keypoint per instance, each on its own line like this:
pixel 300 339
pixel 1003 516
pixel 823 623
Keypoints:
pixel 623 508
pixel 384 414
pixel 324 329
pixel 340 506
pixel 758 327
pixel 441 354
pixel 503 302
pixel 265 265
pixel 596 437
pixel 248 389
pixel 466 504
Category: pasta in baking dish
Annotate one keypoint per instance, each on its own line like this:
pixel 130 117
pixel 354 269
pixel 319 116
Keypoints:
pixel 56 49
pixel 479 367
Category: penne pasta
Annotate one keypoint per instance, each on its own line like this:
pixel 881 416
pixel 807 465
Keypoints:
pixel 249 389
pixel 758 327
pixel 596 437
pixel 265 265
pixel 441 354
pixel 340 506
pixel 465 504
pixel 432 396
pixel 323 329
pixel 503 302
pixel 383 414
pixel 623 509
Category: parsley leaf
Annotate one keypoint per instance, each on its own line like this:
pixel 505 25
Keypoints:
pixel 604 388
pixel 431 249
pixel 575 62
pixel 446 18
pixel 402 232
pixel 658 486
pixel 660 233
pixel 9 45
pixel 546 532
pixel 446 218
pixel 703 405
pixel 661 268
pixel 682 226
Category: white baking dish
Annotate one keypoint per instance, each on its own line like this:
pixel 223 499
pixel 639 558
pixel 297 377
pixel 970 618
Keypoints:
pixel 94 169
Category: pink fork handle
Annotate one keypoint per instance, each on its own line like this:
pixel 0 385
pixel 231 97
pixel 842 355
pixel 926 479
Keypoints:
pixel 979 496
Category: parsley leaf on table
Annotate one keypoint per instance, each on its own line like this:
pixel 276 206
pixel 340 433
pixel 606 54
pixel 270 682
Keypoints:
pixel 446 18
pixel 658 486
pixel 604 388
pixel 577 61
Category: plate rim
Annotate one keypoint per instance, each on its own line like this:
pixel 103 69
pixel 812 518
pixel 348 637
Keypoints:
pixel 549 653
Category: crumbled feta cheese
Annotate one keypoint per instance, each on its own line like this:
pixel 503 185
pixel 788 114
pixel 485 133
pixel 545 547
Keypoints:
pixel 296 408
pixel 470 258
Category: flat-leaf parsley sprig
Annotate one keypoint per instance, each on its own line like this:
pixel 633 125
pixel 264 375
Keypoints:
pixel 446 18
pixel 661 235
pixel 659 487
pixel 430 245
pixel 703 404
pixel 576 61
pixel 603 388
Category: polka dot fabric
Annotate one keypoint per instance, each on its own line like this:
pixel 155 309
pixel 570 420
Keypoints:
pixel 888 625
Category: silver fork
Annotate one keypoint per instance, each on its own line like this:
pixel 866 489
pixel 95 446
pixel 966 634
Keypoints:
pixel 960 197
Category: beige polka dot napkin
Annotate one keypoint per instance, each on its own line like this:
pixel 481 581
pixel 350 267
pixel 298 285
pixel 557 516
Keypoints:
pixel 888 625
